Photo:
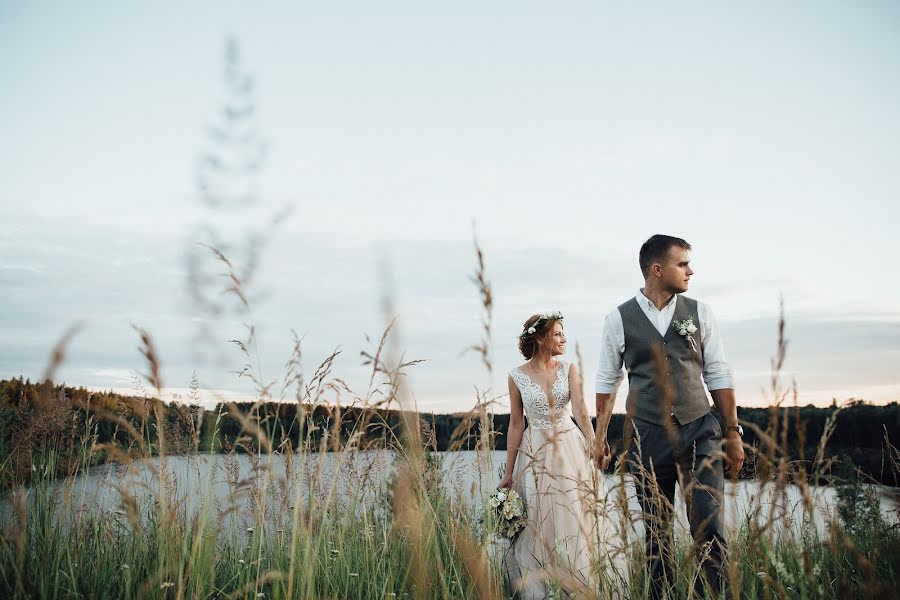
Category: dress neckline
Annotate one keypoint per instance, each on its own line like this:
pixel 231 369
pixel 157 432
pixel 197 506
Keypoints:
pixel 538 385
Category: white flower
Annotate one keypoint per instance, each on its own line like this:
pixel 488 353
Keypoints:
pixel 501 496
pixel 531 329
pixel 494 502
pixel 686 328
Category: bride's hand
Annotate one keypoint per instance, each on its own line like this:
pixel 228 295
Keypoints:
pixel 506 482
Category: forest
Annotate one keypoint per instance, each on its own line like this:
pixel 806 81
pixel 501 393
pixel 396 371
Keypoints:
pixel 35 417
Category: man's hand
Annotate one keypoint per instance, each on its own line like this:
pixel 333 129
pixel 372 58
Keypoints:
pixel 726 405
pixel 734 454
pixel 602 453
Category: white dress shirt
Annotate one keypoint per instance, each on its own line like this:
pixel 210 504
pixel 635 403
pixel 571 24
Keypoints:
pixel 716 372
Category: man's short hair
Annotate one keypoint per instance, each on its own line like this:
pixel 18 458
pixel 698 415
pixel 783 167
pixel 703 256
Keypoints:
pixel 656 249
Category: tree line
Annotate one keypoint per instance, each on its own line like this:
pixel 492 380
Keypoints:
pixel 36 418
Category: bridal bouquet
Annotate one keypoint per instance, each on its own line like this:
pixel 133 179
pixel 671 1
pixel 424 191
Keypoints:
pixel 504 510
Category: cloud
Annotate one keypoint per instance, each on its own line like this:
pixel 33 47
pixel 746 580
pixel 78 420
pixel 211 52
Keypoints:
pixel 330 288
pixel 118 375
pixel 13 269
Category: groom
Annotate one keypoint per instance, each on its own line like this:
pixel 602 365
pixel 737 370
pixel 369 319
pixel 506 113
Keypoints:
pixel 670 345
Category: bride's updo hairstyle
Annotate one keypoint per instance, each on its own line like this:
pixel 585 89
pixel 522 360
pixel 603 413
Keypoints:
pixel 536 327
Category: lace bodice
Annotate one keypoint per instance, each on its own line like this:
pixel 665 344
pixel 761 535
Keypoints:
pixel 534 399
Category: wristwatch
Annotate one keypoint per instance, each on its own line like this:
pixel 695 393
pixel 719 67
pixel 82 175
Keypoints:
pixel 738 428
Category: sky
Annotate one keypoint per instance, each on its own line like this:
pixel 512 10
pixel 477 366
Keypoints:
pixel 765 134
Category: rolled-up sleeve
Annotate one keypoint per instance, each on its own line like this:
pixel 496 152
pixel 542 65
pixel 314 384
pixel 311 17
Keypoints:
pixel 716 371
pixel 612 346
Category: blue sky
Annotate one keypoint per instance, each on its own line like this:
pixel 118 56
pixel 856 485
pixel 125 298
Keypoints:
pixel 767 135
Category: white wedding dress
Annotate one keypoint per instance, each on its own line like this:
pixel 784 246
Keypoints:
pixel 566 536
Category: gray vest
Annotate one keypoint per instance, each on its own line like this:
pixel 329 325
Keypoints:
pixel 684 374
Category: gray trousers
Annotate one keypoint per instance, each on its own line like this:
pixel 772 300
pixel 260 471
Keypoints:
pixel 689 455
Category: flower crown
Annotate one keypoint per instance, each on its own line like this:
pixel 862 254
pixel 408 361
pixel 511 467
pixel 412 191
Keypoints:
pixel 542 318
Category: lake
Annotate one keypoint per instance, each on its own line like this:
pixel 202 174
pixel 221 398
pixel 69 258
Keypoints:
pixel 233 481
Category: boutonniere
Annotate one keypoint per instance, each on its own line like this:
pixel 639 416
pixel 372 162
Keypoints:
pixel 686 328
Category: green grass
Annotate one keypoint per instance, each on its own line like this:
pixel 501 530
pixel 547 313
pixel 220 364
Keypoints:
pixel 411 539
pixel 406 544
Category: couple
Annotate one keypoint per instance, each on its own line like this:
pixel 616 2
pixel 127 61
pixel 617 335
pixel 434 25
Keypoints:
pixel 670 345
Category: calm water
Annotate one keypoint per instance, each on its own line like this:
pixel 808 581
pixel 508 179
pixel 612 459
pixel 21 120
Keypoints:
pixel 234 481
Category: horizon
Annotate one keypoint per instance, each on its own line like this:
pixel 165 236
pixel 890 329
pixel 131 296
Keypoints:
pixel 207 406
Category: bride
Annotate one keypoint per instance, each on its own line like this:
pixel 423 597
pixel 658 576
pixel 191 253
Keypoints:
pixel 549 465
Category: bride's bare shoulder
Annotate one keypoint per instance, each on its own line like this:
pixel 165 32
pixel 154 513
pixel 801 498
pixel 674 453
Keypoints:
pixel 518 369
